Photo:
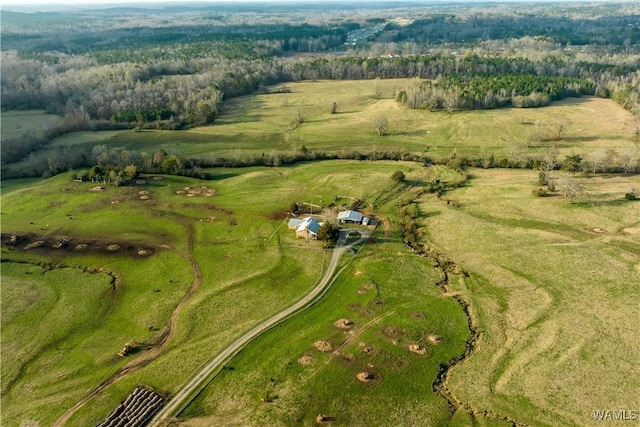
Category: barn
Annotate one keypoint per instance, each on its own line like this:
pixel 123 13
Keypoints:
pixel 350 216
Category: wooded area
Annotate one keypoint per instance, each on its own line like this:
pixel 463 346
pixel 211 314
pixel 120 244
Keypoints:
pixel 173 68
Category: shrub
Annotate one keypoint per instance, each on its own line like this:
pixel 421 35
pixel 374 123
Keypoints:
pixel 398 176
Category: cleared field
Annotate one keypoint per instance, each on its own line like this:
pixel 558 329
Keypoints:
pixel 17 123
pixel 250 263
pixel 554 288
pixel 551 284
pixel 263 123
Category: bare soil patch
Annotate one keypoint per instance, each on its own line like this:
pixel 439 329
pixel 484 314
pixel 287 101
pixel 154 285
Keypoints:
pixel 392 331
pixel 35 244
pixel 434 339
pixel 344 324
pixel 279 215
pixel 141 182
pixel 366 376
pixel 96 188
pixel 307 360
pixel 417 349
pixel 194 192
pixel 64 243
pixel 366 348
pixel 145 197
pixel 598 230
pixel 324 418
pixel 323 346
pixel 365 288
pixel 417 315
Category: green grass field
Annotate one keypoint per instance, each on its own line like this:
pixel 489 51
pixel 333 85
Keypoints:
pixel 551 284
pixel 260 124
pixel 240 226
pixel 17 123
pixel 554 295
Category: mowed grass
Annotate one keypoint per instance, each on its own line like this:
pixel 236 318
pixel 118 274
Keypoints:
pixel 554 291
pixel 262 123
pixel 17 123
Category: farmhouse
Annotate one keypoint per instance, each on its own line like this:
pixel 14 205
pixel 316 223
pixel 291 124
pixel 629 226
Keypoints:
pixel 306 228
pixel 350 216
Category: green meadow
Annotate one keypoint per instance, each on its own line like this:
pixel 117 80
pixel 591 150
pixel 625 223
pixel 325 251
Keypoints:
pixel 551 284
pixel 265 123
pixel 17 123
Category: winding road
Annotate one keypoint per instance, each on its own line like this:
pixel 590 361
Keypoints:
pixel 181 399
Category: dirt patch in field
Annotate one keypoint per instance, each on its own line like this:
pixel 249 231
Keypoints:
pixel 219 209
pixel 67 244
pixel 344 324
pixel 368 377
pixel 141 182
pixel 307 360
pixel 417 349
pixel 115 202
pixel 392 331
pixel 324 418
pixel 434 339
pixel 203 190
pixel 366 348
pixel 157 178
pixel 35 244
pixel 145 197
pixel 632 230
pixel 365 288
pixel 97 189
pixel 323 346
pixel 279 215
pixel 599 230
pixel 417 315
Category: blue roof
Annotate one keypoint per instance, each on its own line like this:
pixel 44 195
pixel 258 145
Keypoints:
pixel 309 223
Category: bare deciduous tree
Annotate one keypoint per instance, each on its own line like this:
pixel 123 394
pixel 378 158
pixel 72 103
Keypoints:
pixel 628 156
pixel 380 125
pixel 570 187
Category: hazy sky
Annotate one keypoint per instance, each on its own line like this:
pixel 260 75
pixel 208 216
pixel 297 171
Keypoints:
pixel 111 2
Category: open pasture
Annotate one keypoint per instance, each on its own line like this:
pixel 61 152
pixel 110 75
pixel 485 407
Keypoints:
pixel 553 289
pixel 230 232
pixel 384 316
pixel 299 114
pixel 18 123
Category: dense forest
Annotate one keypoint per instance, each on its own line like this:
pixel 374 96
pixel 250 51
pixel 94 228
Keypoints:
pixel 173 67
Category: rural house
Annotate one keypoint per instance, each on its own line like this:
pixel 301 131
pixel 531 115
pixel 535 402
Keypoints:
pixel 305 228
pixel 350 216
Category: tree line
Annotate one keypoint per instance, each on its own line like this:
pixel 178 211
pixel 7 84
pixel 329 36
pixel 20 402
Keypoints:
pixel 492 91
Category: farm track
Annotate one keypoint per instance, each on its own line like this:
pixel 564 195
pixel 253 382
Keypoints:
pixel 200 379
pixel 160 343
